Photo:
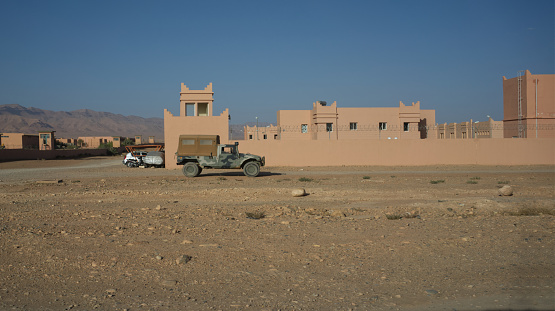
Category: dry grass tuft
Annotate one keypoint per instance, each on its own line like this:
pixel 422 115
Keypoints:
pixel 532 211
pixel 255 215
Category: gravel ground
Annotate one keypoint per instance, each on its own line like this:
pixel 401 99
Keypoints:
pixel 109 237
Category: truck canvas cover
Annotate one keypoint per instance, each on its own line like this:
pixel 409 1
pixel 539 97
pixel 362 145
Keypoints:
pixel 198 145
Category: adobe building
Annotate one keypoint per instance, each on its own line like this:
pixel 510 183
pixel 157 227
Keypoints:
pixel 529 106
pixel 47 141
pixel 261 133
pixel 19 141
pixel 93 142
pixel 329 122
pixel 195 117
pixel 470 130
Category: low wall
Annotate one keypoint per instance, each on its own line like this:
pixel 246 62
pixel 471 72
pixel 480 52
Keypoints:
pixel 32 154
pixel 400 152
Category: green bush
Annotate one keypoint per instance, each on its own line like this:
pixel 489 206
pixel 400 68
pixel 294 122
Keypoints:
pixel 439 181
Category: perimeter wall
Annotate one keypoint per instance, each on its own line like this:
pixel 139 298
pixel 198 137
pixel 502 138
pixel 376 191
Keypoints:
pixel 400 152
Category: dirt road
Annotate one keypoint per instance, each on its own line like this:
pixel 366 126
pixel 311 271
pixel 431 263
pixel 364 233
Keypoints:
pixel 110 237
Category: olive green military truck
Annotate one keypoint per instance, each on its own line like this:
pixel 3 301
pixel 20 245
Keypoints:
pixel 197 152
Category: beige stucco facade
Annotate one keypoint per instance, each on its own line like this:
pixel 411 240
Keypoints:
pixel 261 133
pixel 404 135
pixel 19 141
pixel 470 130
pixel 196 108
pixel 529 106
pixel 93 142
pixel 47 141
pixel 407 152
pixel 330 122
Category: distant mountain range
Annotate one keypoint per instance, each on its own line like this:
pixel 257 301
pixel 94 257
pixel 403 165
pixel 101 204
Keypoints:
pixel 85 122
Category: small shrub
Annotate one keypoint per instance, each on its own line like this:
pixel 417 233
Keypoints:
pixel 503 182
pixel 439 181
pixel 472 182
pixel 365 177
pixel 407 215
pixel 255 215
pixel 393 216
pixel 475 178
pixel 222 178
pixel 532 211
pixel 305 179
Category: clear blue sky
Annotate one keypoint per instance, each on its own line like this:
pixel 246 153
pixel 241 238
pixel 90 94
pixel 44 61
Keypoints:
pixel 130 57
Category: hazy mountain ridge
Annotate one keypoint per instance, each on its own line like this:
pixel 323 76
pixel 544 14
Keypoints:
pixel 86 122
pixel 82 122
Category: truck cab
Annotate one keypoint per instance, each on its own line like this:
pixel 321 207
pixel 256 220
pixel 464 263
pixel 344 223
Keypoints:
pixel 197 152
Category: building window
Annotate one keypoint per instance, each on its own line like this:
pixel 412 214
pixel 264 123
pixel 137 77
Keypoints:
pixel 304 128
pixel 189 109
pixel 463 134
pixel 265 136
pixel 329 127
pixel 250 136
pixel 275 136
pixel 353 126
pixel 45 138
pixel 406 126
pixel 383 126
pixel 202 109
pixel 441 135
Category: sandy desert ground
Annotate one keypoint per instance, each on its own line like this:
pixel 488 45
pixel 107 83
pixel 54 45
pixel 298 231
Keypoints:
pixel 108 237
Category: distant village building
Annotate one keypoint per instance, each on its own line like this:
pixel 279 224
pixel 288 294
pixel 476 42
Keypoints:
pixel 42 141
pixel 19 141
pixel 529 106
pixel 93 142
pixel 47 141
pixel 66 141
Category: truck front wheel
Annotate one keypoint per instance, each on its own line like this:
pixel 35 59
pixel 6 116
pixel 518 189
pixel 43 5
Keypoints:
pixel 251 169
pixel 191 169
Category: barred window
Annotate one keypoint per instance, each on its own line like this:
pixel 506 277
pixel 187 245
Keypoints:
pixel 383 126
pixel 353 126
pixel 304 128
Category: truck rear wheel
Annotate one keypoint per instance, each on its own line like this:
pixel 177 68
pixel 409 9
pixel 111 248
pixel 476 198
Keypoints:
pixel 251 169
pixel 191 169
